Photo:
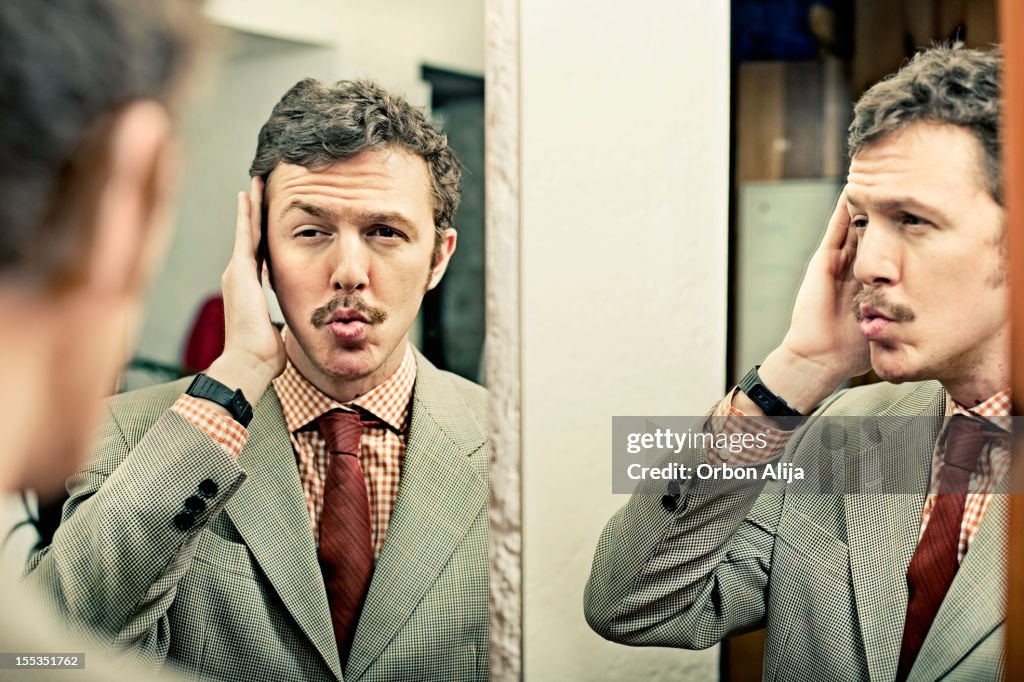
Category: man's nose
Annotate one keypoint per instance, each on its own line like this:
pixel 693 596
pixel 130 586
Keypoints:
pixel 352 264
pixel 877 262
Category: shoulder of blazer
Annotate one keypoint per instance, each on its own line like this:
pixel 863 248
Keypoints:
pixel 452 401
pixel 909 399
pixel 136 411
pixel 475 395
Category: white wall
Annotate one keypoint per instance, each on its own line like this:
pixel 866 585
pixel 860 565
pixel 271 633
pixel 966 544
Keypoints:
pixel 625 117
pixel 386 41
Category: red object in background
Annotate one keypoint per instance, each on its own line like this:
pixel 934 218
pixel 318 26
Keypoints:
pixel 206 340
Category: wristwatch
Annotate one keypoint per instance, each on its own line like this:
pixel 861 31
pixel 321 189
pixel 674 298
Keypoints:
pixel 214 391
pixel 771 404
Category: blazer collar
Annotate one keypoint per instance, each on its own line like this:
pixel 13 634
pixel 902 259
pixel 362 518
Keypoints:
pixel 881 553
pixel 883 521
pixel 441 496
pixel 976 602
pixel 269 511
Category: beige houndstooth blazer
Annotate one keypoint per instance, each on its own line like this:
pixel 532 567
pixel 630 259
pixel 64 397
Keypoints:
pixel 239 595
pixel 824 573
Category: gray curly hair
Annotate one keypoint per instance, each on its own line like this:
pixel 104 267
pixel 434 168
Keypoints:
pixel 943 84
pixel 315 125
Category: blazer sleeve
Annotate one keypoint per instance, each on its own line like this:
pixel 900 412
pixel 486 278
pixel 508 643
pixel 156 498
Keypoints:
pixel 130 529
pixel 688 577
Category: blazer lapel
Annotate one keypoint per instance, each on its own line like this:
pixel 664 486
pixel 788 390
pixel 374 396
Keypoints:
pixel 883 522
pixel 976 602
pixel 269 511
pixel 440 495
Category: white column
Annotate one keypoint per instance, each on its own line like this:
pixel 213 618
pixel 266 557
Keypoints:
pixel 624 208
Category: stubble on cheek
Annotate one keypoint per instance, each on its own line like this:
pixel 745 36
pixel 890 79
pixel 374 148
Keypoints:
pixel 430 276
pixel 999 276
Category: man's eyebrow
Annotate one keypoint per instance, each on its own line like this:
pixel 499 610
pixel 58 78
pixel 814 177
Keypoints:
pixel 390 218
pixel 309 209
pixel 907 204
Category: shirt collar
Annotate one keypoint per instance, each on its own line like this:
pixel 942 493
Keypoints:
pixel 302 402
pixel 995 409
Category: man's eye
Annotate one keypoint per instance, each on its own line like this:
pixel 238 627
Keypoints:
pixel 387 232
pixel 309 233
pixel 859 223
pixel 911 219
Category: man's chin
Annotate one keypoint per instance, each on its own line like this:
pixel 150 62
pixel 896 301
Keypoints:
pixel 351 369
pixel 893 367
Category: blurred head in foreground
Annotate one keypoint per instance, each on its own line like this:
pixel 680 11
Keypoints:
pixel 88 95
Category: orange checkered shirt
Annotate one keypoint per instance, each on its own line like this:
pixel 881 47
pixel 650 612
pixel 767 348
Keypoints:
pixel 381 449
pixel 992 465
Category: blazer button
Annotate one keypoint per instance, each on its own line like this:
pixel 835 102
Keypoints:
pixel 195 504
pixel 208 488
pixel 670 502
pixel 184 520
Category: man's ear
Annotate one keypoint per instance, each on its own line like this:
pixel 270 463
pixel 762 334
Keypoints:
pixel 442 255
pixel 129 218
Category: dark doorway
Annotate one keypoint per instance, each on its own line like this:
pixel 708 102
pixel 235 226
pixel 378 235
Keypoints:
pixel 453 314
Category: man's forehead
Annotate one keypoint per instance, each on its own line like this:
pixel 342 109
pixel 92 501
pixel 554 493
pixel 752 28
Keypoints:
pixel 923 162
pixel 386 161
pixel 936 150
pixel 399 175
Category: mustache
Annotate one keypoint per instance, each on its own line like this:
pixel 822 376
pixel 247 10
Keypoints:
pixel 372 314
pixel 875 299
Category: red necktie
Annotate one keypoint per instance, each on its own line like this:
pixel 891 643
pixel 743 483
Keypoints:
pixel 935 564
pixel 346 548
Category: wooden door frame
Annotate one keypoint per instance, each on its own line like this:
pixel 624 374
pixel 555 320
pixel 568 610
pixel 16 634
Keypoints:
pixel 1011 21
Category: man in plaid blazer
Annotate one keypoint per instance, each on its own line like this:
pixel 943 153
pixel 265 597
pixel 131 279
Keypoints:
pixel 196 536
pixel 910 280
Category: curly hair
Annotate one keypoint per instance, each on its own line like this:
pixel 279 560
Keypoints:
pixel 943 84
pixel 315 125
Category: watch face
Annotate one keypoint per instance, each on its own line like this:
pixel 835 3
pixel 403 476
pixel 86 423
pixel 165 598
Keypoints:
pixel 771 404
pixel 233 401
pixel 241 409
pixel 758 395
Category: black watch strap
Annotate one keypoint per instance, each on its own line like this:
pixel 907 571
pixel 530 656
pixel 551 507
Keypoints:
pixel 771 404
pixel 214 391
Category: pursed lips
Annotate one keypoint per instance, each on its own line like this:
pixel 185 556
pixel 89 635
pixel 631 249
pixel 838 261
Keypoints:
pixel 348 325
pixel 867 312
pixel 347 315
pixel 873 323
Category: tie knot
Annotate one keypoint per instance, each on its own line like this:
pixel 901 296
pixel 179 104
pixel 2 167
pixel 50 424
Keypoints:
pixel 964 441
pixel 341 432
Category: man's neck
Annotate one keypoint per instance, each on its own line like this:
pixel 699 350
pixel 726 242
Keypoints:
pixel 975 390
pixel 976 377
